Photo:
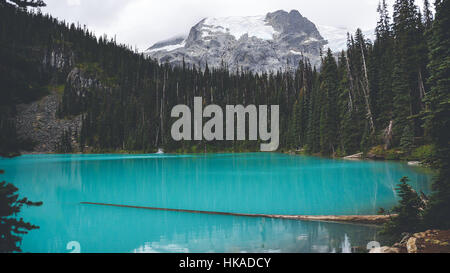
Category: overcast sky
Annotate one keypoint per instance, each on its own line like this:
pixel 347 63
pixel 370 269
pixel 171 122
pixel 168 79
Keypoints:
pixel 143 22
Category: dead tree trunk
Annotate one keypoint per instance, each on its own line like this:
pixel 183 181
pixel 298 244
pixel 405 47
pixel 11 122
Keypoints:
pixel 366 91
pixel 387 136
pixel 421 90
pixel 352 85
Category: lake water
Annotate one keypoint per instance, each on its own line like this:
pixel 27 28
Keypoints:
pixel 255 183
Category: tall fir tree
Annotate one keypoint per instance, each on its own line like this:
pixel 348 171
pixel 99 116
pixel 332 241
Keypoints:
pixel 437 116
pixel 427 14
pixel 329 113
pixel 381 69
pixel 406 65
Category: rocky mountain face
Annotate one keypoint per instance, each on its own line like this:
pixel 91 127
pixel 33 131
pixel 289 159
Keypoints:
pixel 38 121
pixel 278 40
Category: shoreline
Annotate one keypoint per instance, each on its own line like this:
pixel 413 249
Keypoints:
pixel 347 158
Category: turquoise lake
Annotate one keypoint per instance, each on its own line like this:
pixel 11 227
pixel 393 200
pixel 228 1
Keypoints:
pixel 254 183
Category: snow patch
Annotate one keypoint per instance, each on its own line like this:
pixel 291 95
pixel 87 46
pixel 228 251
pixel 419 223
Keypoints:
pixel 168 47
pixel 296 52
pixel 310 40
pixel 337 36
pixel 254 26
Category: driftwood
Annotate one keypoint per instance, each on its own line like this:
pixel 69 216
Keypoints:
pixel 357 219
pixel 357 156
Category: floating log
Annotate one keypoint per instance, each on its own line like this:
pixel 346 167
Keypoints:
pixel 358 219
pixel 357 156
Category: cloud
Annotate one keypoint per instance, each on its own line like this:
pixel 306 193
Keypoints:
pixel 73 2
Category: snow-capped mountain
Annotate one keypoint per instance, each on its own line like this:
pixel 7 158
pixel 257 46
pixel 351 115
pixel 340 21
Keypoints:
pixel 278 40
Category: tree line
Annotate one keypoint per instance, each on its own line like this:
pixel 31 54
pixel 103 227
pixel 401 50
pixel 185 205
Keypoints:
pixel 370 94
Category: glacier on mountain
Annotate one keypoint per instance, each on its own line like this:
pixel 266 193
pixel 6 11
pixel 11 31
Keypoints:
pixel 253 26
pixel 337 36
pixel 278 40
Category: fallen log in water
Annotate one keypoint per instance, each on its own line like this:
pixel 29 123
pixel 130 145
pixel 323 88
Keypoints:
pixel 358 156
pixel 358 219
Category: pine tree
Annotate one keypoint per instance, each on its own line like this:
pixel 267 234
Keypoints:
pixel 381 69
pixel 427 14
pixel 11 229
pixel 409 212
pixel 437 117
pixel 407 65
pixel 329 113
pixel 407 139
pixel 383 28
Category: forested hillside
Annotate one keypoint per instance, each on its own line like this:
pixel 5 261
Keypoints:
pixel 370 95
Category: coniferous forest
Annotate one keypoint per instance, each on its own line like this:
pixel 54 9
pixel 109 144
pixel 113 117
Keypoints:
pixel 389 96
pixel 370 95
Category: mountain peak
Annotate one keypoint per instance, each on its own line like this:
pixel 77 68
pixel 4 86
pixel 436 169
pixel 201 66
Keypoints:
pixel 264 43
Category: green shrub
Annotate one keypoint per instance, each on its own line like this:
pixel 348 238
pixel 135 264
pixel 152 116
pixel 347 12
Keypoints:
pixel 422 153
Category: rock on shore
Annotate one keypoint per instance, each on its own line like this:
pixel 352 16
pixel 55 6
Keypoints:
pixel 430 241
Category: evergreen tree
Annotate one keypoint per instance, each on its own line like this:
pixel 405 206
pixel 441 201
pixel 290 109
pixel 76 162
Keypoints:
pixel 427 14
pixel 329 113
pixel 437 117
pixel 409 212
pixel 407 66
pixel 313 135
pixel 381 69
pixel 383 25
pixel 11 229
pixel 407 139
